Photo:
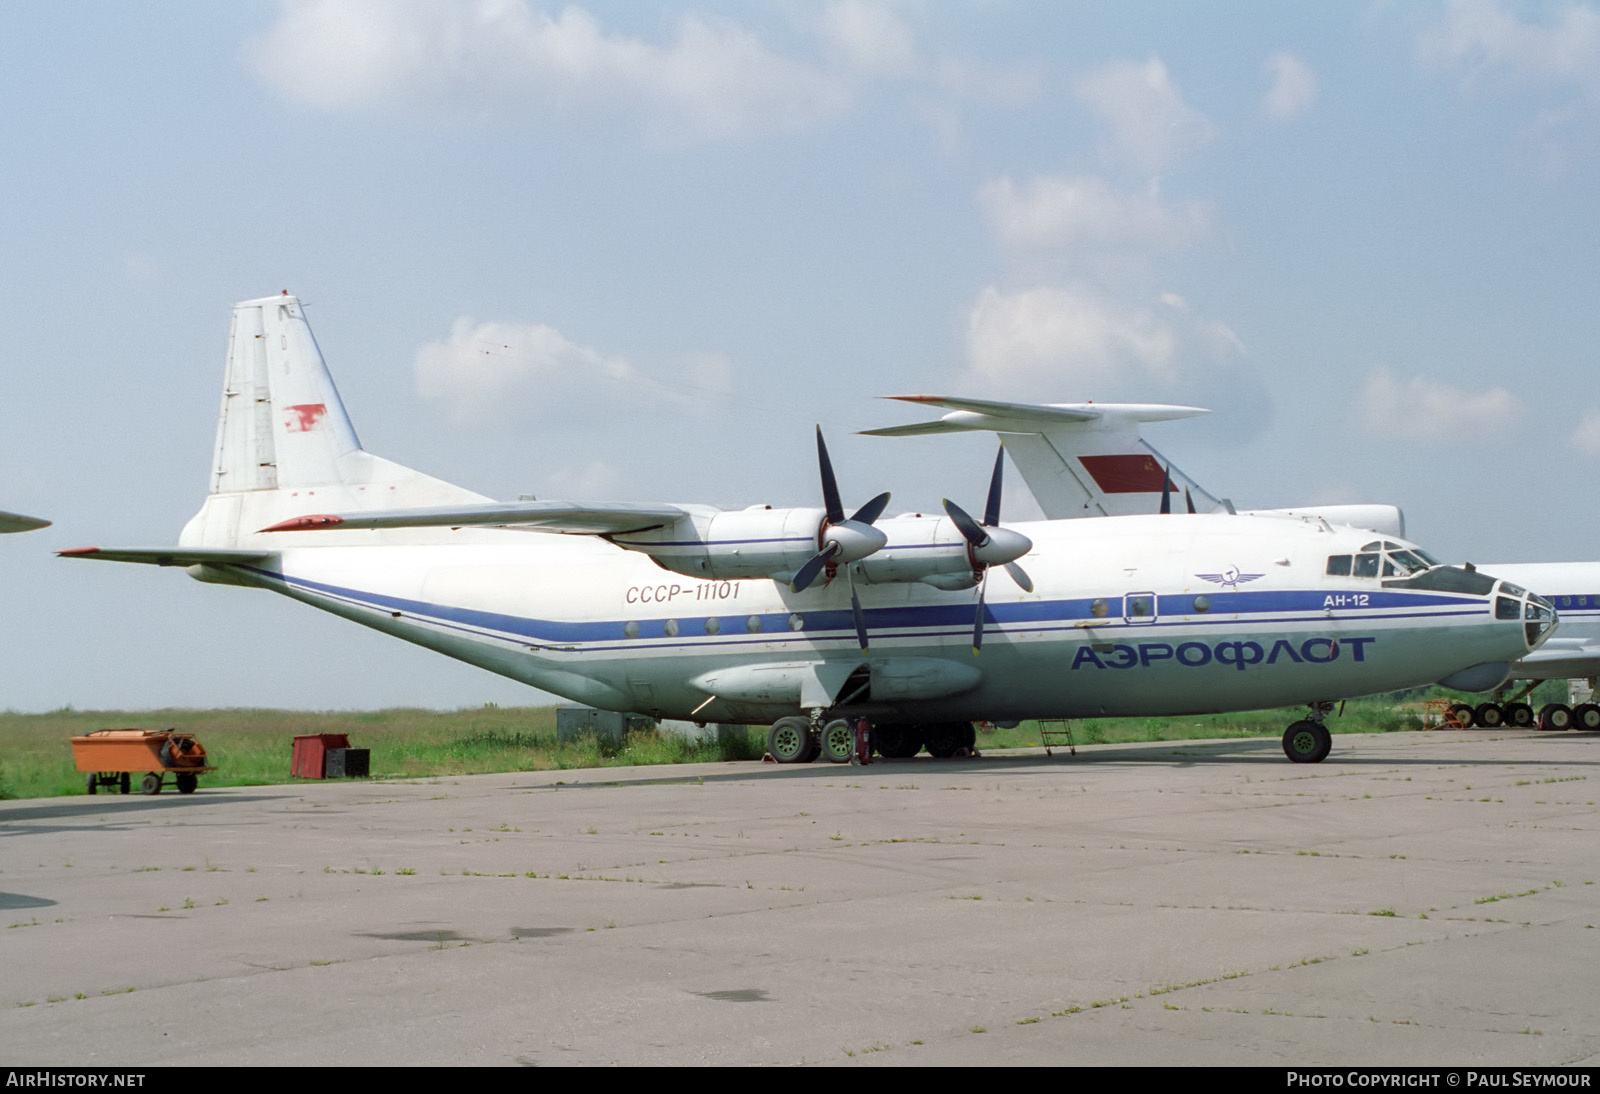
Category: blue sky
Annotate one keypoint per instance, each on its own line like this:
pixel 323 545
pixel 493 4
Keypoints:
pixel 634 251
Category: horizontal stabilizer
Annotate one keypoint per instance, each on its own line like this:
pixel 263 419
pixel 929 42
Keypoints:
pixel 16 522
pixel 171 556
pixel 555 516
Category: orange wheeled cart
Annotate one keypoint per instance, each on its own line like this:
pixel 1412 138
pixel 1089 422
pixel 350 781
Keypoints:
pixel 110 756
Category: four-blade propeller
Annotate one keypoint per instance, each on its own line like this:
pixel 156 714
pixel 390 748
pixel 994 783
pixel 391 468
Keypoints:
pixel 842 541
pixel 988 544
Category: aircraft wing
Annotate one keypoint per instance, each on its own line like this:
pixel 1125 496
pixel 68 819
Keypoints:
pixel 554 516
pixel 170 556
pixel 16 522
pixel 1560 659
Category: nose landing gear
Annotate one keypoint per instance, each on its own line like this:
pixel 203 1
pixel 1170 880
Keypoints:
pixel 1308 740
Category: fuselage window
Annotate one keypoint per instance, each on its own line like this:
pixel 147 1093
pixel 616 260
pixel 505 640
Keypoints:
pixel 753 624
pixel 713 625
pixel 631 629
pixel 1139 605
pixel 1506 608
pixel 1203 603
pixel 671 628
pixel 1099 608
pixel 1338 565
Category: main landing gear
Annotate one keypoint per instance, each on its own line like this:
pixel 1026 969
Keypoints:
pixel 1493 715
pixel 798 740
pixel 1308 740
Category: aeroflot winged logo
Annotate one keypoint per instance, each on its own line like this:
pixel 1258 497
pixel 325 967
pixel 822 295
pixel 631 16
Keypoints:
pixel 1230 578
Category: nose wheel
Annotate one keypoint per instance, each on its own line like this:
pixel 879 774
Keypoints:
pixel 1307 742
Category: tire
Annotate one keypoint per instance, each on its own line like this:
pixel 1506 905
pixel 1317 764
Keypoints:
pixel 899 742
pixel 92 783
pixel 838 741
pixel 151 784
pixel 125 783
pixel 186 783
pixel 789 741
pixel 1462 713
pixel 1555 716
pixel 1307 742
pixel 970 737
pixel 1488 716
pixel 1586 716
pixel 1519 715
pixel 167 757
pixel 945 739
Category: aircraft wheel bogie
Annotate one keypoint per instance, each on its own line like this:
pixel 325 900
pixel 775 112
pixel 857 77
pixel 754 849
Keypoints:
pixel 1489 716
pixel 1555 716
pixel 838 741
pixel 1519 715
pixel 1463 713
pixel 1307 742
pixel 789 741
pixel 1586 716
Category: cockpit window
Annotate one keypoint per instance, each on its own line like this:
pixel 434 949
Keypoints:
pixel 1380 558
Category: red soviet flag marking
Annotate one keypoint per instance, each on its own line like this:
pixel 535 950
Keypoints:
pixel 303 418
pixel 1134 473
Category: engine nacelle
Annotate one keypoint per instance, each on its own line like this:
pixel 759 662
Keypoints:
pixel 732 544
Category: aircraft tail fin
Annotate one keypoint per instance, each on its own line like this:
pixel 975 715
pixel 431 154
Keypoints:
pixel 285 445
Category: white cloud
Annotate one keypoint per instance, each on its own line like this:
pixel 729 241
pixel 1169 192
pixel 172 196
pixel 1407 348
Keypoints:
pixel 1485 40
pixel 1586 438
pixel 1151 126
pixel 1078 343
pixel 1055 211
pixel 869 37
pixel 1293 90
pixel 712 80
pixel 487 371
pixel 1427 410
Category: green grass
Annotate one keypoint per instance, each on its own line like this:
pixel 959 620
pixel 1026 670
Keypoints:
pixel 252 747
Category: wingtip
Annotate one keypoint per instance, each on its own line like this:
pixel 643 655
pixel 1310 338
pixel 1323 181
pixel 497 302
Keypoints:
pixel 72 552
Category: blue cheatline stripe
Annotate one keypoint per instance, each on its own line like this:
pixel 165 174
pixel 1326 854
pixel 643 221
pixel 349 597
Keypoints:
pixel 901 622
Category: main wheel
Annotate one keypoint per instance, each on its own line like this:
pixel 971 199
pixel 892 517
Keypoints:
pixel 896 742
pixel 1462 713
pixel 1519 715
pixel 1586 716
pixel 838 741
pixel 1307 742
pixel 151 784
pixel 789 741
pixel 1489 716
pixel 1555 716
pixel 944 739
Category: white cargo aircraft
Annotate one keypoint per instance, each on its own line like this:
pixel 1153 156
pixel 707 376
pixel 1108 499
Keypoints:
pixel 16 522
pixel 1082 459
pixel 807 619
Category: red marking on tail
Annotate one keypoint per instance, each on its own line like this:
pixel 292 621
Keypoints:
pixel 1134 473
pixel 303 418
